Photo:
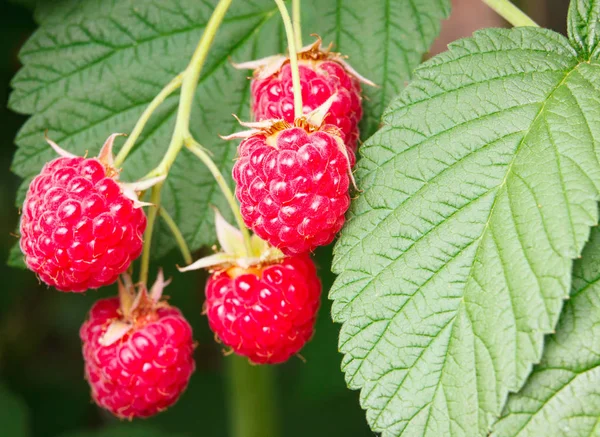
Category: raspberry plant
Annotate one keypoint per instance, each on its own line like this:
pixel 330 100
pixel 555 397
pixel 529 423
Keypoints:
pixel 473 196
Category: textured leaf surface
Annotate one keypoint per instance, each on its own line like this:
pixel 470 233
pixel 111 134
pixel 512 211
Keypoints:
pixel 92 67
pixel 385 41
pixel 562 396
pixel 584 26
pixel 477 193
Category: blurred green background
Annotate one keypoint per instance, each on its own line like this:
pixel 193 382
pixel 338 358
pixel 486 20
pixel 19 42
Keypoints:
pixel 42 390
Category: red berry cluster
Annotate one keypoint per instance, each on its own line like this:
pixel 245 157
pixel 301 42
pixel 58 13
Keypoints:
pixel 81 228
pixel 292 178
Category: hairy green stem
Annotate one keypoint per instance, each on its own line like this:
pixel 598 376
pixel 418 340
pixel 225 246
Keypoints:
pixel 188 88
pixel 510 13
pixel 289 32
pixel 200 152
pixel 252 399
pixel 152 212
pixel 183 247
pixel 297 22
pixel 141 123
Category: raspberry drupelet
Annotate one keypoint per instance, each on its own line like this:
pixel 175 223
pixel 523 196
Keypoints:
pixel 259 303
pixel 292 183
pixel 265 313
pixel 80 227
pixel 139 360
pixel 323 74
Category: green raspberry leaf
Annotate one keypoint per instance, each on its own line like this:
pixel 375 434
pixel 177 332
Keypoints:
pixel 477 194
pixel 560 398
pixel 584 27
pixel 92 68
pixel 385 41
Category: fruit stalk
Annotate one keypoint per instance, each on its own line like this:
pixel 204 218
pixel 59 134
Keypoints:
pixel 511 13
pixel 152 212
pixel 252 402
pixel 198 150
pixel 289 32
pixel 297 22
pixel 183 247
pixel 188 88
pixel 182 124
pixel 173 85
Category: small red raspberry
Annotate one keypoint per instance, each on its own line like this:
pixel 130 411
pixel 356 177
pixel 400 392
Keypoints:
pixel 273 97
pixel 265 313
pixel 293 186
pixel 322 74
pixel 147 367
pixel 79 229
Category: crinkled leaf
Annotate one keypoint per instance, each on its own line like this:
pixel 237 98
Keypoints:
pixel 384 41
pixel 93 66
pixel 561 397
pixel 584 27
pixel 477 194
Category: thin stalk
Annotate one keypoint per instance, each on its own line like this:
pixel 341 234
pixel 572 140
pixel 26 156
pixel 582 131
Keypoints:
pixel 297 22
pixel 183 247
pixel 152 212
pixel 289 32
pixel 511 13
pixel 252 401
pixel 141 123
pixel 199 151
pixel 186 98
pixel 188 88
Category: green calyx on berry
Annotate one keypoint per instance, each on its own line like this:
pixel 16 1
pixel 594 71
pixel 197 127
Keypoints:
pixel 311 122
pixel 106 158
pixel 136 308
pixel 233 252
pixel 269 65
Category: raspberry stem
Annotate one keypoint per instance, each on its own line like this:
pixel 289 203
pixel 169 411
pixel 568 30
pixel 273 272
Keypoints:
pixel 252 400
pixel 510 13
pixel 152 211
pixel 297 22
pixel 200 152
pixel 173 85
pixel 183 247
pixel 289 33
pixel 189 83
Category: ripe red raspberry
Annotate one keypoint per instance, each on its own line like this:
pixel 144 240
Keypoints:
pixel 292 184
pixel 322 74
pixel 265 313
pixel 80 228
pixel 146 367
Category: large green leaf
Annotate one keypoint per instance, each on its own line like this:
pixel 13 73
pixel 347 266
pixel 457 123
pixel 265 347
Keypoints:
pixel 477 194
pixel 93 66
pixel 562 396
